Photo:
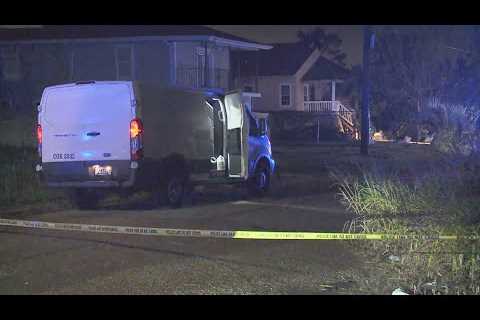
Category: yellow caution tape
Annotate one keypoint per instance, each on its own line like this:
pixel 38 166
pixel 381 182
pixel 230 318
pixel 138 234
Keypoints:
pixel 193 233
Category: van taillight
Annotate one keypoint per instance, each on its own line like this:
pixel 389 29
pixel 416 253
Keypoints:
pixel 136 139
pixel 39 139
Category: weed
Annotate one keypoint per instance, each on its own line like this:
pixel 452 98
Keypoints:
pixel 433 202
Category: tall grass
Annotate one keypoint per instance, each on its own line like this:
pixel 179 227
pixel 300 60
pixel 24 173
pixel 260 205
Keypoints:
pixel 436 202
pixel 19 183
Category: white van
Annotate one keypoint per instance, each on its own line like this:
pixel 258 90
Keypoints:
pixel 123 134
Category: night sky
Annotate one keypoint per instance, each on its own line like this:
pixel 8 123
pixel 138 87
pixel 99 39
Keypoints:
pixel 350 34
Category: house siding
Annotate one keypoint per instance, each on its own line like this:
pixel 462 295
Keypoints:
pixel 186 54
pixel 185 58
pixel 40 66
pixel 269 87
pixel 50 64
pixel 153 62
pixel 94 62
pixel 43 65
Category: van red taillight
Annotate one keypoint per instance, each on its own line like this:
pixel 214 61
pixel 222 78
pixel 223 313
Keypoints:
pixel 136 128
pixel 39 139
pixel 136 139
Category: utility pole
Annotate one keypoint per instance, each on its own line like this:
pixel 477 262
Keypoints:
pixel 368 43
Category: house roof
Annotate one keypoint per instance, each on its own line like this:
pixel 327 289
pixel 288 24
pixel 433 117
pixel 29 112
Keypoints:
pixel 324 69
pixel 282 59
pixel 286 59
pixel 75 32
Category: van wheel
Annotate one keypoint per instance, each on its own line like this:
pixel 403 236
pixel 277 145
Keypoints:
pixel 259 184
pixel 175 191
pixel 171 191
pixel 85 199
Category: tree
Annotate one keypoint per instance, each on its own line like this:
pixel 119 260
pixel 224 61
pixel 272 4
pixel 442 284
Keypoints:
pixel 412 66
pixel 329 44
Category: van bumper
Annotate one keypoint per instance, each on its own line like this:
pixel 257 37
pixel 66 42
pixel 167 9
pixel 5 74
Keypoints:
pixel 76 174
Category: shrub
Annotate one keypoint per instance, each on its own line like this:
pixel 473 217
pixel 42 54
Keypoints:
pixel 432 203
pixel 456 128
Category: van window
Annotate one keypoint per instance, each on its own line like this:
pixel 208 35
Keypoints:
pixel 254 129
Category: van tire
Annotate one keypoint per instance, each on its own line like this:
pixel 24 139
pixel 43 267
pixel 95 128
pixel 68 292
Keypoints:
pixel 85 199
pixel 259 184
pixel 175 190
pixel 170 191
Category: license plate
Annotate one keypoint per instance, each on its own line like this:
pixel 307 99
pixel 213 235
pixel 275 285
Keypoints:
pixel 102 170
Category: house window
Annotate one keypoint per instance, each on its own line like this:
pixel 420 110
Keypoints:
pixel 285 95
pixel 124 62
pixel 305 92
pixel 10 63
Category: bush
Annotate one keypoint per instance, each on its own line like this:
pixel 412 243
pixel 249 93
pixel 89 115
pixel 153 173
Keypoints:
pixel 432 203
pixel 452 141
pixel 456 128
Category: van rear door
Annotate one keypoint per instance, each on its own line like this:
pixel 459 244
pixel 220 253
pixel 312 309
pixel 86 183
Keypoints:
pixel 87 122
pixel 237 136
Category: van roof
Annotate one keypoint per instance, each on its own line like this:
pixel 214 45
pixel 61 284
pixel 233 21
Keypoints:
pixel 205 91
pixel 83 82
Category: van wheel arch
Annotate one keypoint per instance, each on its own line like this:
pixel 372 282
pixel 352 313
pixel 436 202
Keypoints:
pixel 173 179
pixel 175 164
pixel 259 183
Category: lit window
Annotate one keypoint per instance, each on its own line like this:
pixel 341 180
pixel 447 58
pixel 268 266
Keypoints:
pixel 285 95
pixel 10 63
pixel 124 61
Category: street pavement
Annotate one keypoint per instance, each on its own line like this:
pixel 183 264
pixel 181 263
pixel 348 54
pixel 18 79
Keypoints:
pixel 69 262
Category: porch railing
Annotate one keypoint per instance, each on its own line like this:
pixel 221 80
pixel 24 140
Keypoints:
pixel 330 107
pixel 194 77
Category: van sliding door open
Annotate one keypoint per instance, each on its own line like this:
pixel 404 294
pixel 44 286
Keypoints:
pixel 237 136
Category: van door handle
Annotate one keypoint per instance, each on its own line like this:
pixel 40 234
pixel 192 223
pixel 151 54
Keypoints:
pixel 93 134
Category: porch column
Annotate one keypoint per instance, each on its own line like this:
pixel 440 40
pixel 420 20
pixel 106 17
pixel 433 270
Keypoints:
pixel 333 90
pixel 205 75
pixel 257 53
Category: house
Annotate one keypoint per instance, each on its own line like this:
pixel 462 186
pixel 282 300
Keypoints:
pixel 295 79
pixel 184 56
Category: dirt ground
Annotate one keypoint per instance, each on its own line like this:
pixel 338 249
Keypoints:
pixel 302 199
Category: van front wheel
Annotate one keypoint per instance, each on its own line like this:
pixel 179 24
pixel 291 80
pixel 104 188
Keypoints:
pixel 259 184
